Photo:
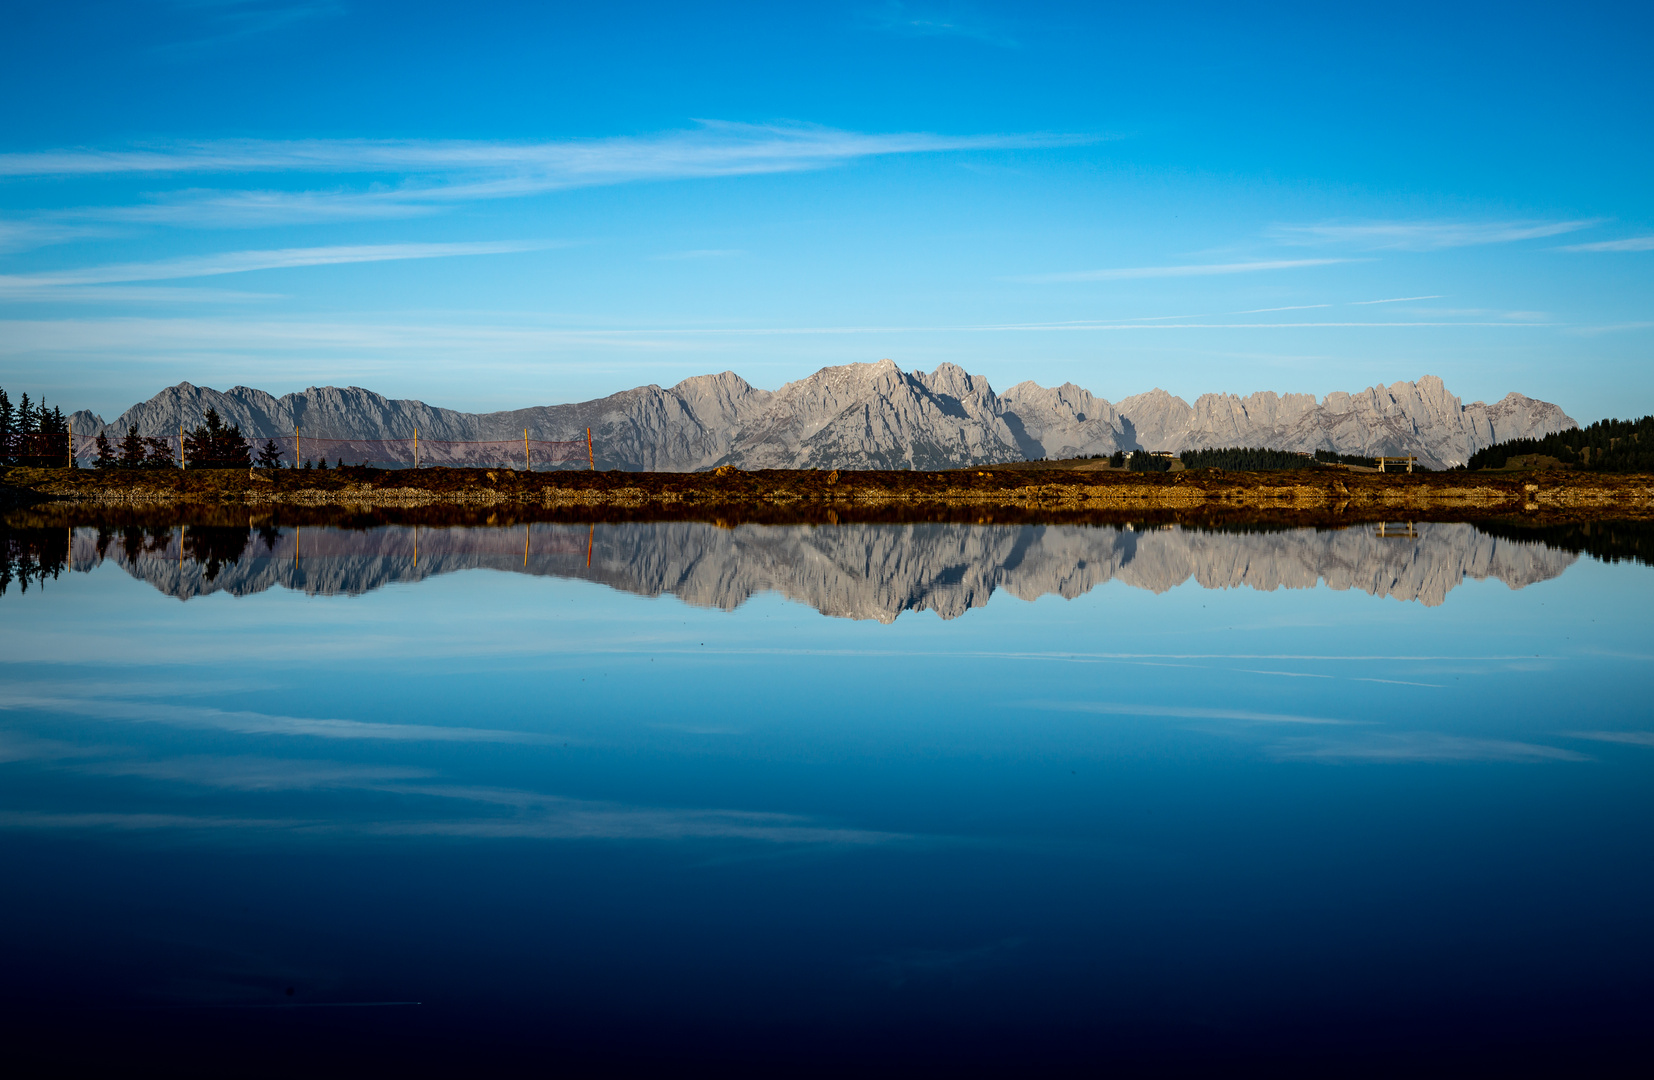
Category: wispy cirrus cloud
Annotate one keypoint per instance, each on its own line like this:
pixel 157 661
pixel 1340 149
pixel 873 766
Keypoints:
pixel 1186 270
pixel 953 20
pixel 255 773
pixel 1630 738
pixel 713 148
pixel 559 820
pixel 1420 747
pixel 27 233
pixel 1609 328
pixel 211 23
pixel 250 723
pixel 1630 243
pixel 414 177
pixel 1422 235
pixel 237 262
pixel 1245 716
pixel 217 208
pixel 535 814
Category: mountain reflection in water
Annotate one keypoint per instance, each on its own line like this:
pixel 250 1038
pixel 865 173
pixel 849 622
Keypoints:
pixel 844 571
pixel 1212 829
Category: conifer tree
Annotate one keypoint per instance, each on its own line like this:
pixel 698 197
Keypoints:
pixel 106 458
pixel 132 449
pixel 56 442
pixel 215 445
pixel 33 437
pixel 8 428
pixel 158 454
pixel 269 457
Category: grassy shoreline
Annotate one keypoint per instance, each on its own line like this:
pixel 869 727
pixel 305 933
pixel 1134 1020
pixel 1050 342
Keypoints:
pixel 809 492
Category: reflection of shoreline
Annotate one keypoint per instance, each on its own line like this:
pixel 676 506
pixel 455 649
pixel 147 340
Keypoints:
pixel 848 571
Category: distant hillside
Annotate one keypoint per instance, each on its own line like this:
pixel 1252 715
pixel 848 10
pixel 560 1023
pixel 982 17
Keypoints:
pixel 1606 446
pixel 860 416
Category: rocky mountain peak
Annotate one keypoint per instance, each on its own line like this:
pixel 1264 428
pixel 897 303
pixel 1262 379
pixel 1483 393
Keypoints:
pixel 875 415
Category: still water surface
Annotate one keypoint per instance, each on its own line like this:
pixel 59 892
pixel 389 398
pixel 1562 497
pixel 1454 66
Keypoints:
pixel 932 794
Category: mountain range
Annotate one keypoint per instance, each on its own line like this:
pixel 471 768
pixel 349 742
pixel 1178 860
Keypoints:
pixel 877 416
pixel 850 571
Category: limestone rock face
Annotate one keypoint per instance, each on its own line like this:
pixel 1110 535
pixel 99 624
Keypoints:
pixel 1260 419
pixel 1157 420
pixel 688 426
pixel 1421 418
pixel 1064 422
pixel 877 416
pixel 852 571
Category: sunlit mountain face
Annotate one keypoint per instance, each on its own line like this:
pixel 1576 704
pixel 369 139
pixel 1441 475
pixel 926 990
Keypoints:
pixel 852 416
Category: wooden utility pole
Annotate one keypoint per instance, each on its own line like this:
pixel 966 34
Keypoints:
pixel 591 459
pixel 526 466
pixel 416 446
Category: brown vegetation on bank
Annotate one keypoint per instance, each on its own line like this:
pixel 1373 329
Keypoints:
pixel 1048 493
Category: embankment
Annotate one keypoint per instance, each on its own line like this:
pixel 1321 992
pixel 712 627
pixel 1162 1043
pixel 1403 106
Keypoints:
pixel 1322 492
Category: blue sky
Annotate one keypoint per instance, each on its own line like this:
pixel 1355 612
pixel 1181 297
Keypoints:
pixel 512 204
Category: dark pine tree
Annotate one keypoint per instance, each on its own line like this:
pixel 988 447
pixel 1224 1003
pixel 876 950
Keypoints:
pixel 8 427
pixel 269 455
pixel 216 445
pixel 1605 446
pixel 25 429
pixel 132 449
pixel 158 454
pixel 1245 459
pixel 106 458
pixel 56 439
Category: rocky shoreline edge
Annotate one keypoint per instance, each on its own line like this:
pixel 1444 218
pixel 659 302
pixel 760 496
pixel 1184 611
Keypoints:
pixel 1024 488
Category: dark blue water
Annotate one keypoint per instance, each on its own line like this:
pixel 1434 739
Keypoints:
pixel 855 798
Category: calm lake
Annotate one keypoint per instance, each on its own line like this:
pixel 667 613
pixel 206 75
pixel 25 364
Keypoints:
pixel 844 796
